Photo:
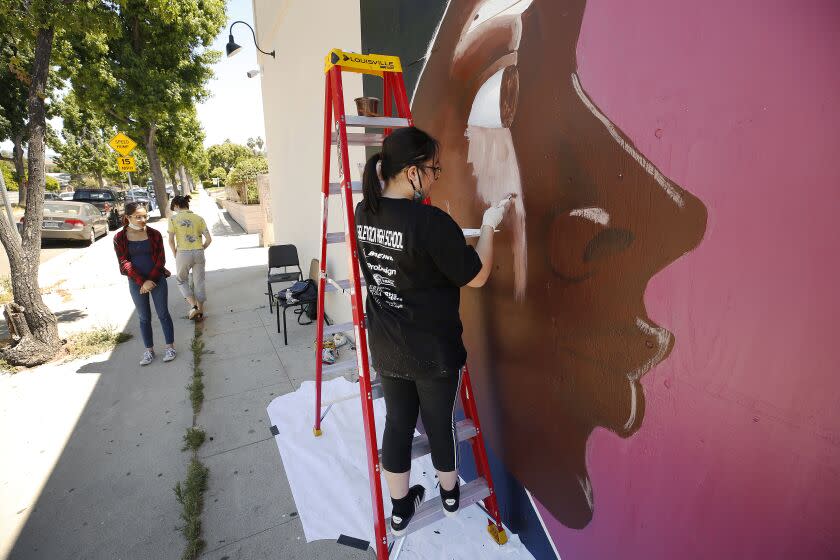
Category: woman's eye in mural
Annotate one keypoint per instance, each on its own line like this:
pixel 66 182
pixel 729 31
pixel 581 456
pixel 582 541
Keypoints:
pixel 495 102
pixel 582 238
pixel 493 157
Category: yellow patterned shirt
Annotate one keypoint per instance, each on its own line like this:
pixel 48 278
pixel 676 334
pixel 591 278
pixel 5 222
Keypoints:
pixel 188 228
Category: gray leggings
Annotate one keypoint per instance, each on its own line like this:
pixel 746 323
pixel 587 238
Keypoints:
pixel 184 261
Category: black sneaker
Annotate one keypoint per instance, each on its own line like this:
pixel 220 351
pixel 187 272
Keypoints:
pixel 451 500
pixel 404 509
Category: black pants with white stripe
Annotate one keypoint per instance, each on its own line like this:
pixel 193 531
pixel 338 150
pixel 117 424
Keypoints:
pixel 435 400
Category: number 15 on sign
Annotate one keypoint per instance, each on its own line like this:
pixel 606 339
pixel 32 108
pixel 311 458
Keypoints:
pixel 127 164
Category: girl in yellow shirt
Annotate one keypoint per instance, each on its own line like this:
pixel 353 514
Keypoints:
pixel 188 238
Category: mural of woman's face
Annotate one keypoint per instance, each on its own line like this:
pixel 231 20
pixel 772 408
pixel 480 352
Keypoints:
pixel 559 338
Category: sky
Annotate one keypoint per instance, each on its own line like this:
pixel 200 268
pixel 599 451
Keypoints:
pixel 234 109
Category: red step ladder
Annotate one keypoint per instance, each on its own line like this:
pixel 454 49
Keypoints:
pixel 481 489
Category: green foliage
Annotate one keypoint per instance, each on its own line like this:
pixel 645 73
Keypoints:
pixel 191 496
pixel 244 178
pixel 194 438
pixel 83 148
pixel 53 184
pixel 9 175
pixel 220 174
pixel 227 154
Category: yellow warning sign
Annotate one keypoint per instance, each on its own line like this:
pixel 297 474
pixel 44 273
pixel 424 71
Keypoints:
pixel 127 164
pixel 122 144
pixel 362 63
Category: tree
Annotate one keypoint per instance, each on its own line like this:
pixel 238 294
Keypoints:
pixel 84 148
pixel 16 57
pixel 226 154
pixel 34 26
pixel 153 66
pixel 244 178
pixel 220 174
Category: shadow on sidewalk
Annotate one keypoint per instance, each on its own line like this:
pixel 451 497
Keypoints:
pixel 109 494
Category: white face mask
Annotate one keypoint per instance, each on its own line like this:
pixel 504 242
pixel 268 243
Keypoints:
pixel 135 227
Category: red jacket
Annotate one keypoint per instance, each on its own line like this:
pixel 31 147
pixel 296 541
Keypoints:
pixel 158 256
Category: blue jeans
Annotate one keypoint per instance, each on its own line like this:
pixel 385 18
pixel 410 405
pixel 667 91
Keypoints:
pixel 160 295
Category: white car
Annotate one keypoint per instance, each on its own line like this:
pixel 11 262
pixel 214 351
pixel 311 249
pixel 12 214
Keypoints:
pixel 66 195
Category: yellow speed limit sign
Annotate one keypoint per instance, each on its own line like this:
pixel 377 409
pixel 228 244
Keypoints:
pixel 127 164
pixel 122 144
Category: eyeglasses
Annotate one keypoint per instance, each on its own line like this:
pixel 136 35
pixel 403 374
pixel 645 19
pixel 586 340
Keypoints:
pixel 436 170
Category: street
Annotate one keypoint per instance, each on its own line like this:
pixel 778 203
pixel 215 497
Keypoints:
pixel 50 249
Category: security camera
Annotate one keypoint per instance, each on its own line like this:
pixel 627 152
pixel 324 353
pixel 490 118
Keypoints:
pixel 252 73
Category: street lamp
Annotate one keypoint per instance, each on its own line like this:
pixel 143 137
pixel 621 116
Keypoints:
pixel 232 48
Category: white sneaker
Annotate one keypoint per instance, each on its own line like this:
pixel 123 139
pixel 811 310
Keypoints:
pixel 193 313
pixel 169 355
pixel 148 358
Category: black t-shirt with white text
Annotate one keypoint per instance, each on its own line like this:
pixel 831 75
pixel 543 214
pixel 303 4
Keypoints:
pixel 414 259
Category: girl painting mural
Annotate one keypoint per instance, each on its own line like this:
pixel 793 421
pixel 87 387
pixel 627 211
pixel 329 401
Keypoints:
pixel 560 338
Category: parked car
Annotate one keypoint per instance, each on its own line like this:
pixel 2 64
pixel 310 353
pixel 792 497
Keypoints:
pixel 66 195
pixel 71 220
pixel 111 202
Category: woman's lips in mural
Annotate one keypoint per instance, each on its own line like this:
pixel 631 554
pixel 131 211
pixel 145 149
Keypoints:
pixel 618 360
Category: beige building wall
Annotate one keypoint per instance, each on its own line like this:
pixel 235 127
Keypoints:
pixel 302 32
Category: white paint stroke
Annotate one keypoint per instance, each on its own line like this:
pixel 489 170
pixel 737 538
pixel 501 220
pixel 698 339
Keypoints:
pixel 496 8
pixel 663 339
pixel 651 169
pixel 486 107
pixel 542 523
pixel 586 486
pixel 429 49
pixel 597 215
pixel 496 169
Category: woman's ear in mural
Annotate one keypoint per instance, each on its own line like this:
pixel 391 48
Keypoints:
pixel 559 338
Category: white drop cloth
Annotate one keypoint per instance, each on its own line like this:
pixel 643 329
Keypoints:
pixel 329 480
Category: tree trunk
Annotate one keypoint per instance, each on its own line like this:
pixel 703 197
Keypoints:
pixel 157 173
pixel 191 181
pixel 173 179
pixel 100 180
pixel 17 156
pixel 185 186
pixel 42 341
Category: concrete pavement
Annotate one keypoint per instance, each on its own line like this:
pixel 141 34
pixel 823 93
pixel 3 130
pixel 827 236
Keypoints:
pixel 96 444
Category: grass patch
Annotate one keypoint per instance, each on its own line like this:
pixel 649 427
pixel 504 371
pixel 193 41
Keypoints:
pixel 96 341
pixel 191 496
pixel 193 439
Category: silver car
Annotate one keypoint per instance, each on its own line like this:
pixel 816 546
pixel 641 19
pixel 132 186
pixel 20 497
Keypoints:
pixel 71 220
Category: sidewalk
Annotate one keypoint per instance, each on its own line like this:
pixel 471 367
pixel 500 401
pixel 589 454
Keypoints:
pixel 96 445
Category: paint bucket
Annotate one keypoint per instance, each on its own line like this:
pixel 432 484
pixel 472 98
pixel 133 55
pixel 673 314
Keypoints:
pixel 367 106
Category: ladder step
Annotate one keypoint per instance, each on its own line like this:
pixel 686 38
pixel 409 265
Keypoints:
pixel 431 510
pixel 376 122
pixel 340 327
pixel 341 367
pixel 344 285
pixel 355 186
pixel 465 429
pixel 335 237
pixel 362 138
pixel 375 390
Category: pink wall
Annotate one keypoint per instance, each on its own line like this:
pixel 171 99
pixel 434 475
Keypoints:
pixel 739 454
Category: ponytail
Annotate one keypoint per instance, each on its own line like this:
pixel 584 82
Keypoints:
pixel 371 185
pixel 401 149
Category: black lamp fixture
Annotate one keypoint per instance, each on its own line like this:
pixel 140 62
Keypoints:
pixel 232 48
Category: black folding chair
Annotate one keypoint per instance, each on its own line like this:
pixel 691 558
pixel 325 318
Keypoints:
pixel 285 257
pixel 281 303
